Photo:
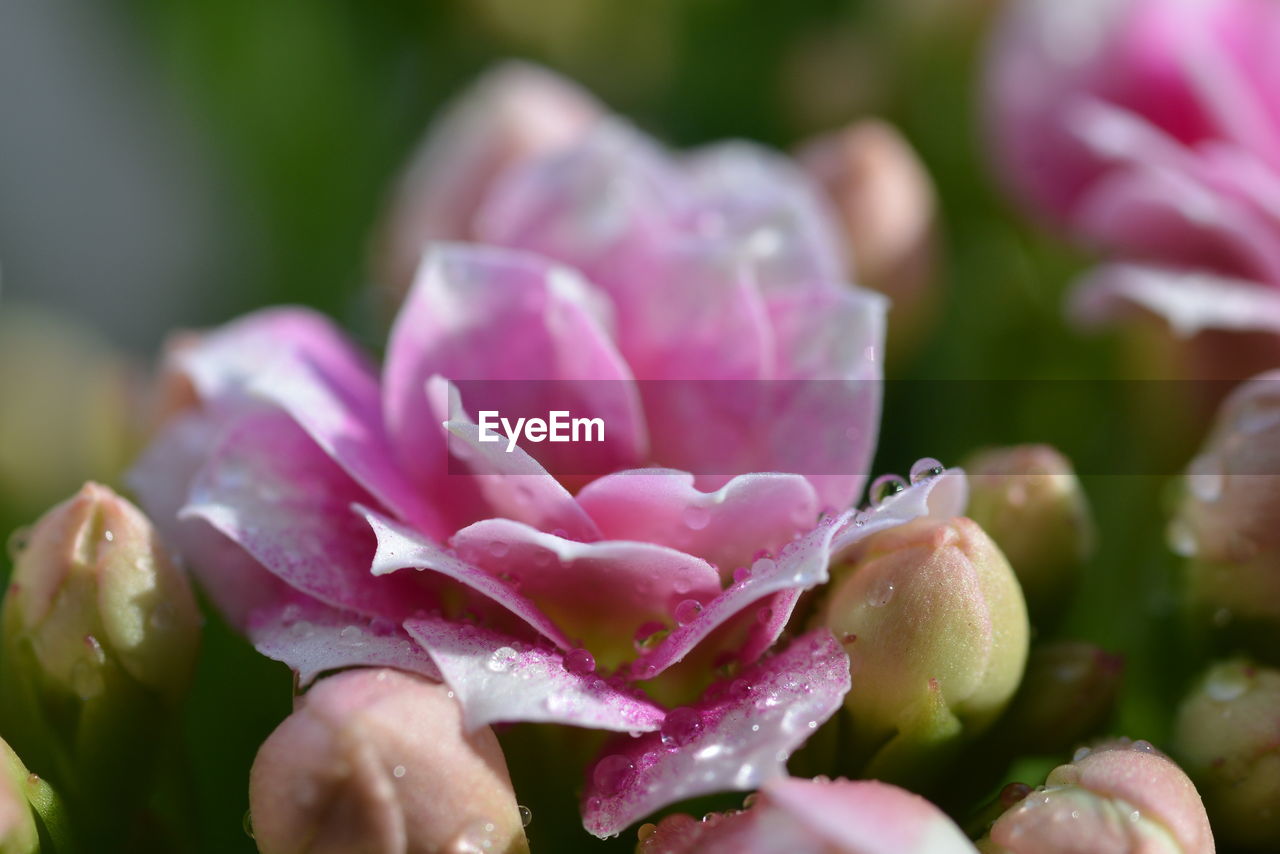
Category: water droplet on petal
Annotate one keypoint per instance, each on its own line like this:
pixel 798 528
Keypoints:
pixel 526 815
pixel 882 594
pixel 650 635
pixel 351 636
pixel 247 824
pixel 681 726
pixel 398 771
pixel 499 549
pixel 741 574
pixel 579 661
pixel 925 468
pixel 501 659
pixel 612 774
pixel 885 487
pixel 697 518
pixel 687 611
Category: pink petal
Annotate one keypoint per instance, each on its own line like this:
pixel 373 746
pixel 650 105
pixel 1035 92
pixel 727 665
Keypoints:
pixel 1178 218
pixel 798 566
pixel 344 418
pixel 601 592
pixel 759 204
pixel 223 362
pixel 269 488
pixel 736 738
pixel 1189 301
pixel 499 678
pixel 510 114
pixel 513 483
pixel 750 513
pixel 944 496
pixel 402 548
pixel 505 318
pixel 162 476
pixel 312 639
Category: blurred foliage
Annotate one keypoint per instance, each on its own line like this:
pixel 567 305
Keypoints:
pixel 313 106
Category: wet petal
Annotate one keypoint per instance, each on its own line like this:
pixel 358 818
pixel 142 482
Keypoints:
pixel 275 493
pixel 312 639
pixel 403 548
pixel 601 592
pixel 725 527
pixel 514 484
pixel 345 419
pixel 499 678
pixel 505 318
pixel 736 738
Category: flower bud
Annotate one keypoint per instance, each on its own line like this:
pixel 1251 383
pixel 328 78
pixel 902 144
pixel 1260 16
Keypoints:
pixel 1226 734
pixel 814 817
pixel 886 209
pixel 18 833
pixel 100 632
pixel 1117 798
pixel 936 630
pixel 1225 523
pixel 1068 693
pixel 378 762
pixel 1028 499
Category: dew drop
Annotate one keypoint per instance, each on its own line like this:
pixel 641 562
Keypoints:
pixel 697 518
pixel 925 468
pixel 247 824
pixel 579 661
pixel 526 815
pixel 1081 753
pixel 109 536
pixel 681 726
pixel 398 771
pixel 650 635
pixel 612 774
pixel 886 486
pixel 882 594
pixel 499 549
pixel 352 636
pixel 741 574
pixel 501 659
pixel 687 611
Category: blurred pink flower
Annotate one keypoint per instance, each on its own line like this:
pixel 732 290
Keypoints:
pixel 302 484
pixel 1151 130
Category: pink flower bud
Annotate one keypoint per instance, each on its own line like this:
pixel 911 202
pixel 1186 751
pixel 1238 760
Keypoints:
pixel 1027 498
pixel 93 593
pixel 1225 523
pixel 936 630
pixel 1117 798
pixel 1227 733
pixel 378 761
pixel 886 210
pixel 510 115
pixel 814 817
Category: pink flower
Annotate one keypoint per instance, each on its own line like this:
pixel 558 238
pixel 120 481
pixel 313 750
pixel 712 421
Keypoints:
pixel 343 516
pixel 815 817
pixel 1151 130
